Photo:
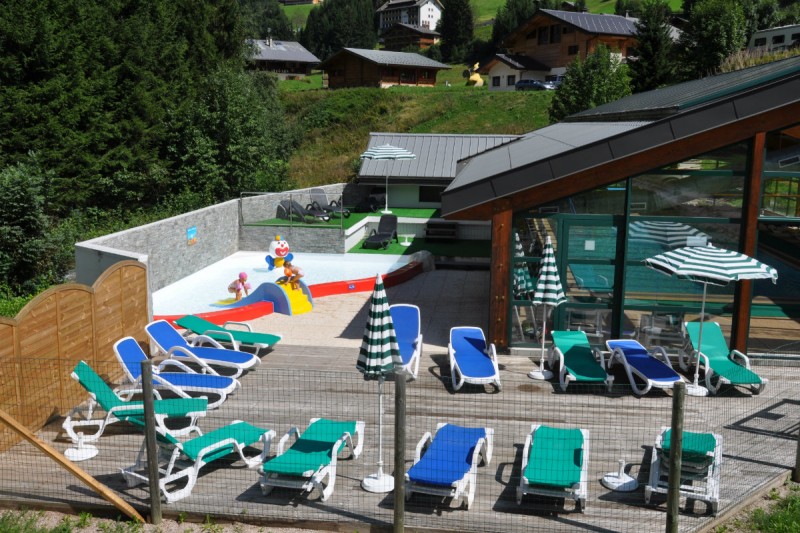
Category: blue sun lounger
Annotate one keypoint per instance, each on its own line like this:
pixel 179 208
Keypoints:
pixel 447 464
pixel 406 322
pixel 643 365
pixel 471 359
pixel 130 356
pixel 173 344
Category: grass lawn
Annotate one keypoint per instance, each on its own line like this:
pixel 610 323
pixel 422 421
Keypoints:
pixel 438 248
pixel 312 81
pixel 297 14
pixel 352 220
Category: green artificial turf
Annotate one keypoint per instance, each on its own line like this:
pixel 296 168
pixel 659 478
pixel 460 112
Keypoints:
pixel 352 220
pixel 459 248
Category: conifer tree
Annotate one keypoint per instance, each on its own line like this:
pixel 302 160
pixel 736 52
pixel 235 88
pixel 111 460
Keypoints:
pixel 457 30
pixel 653 61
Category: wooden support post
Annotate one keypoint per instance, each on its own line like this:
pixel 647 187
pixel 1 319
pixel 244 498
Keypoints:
pixel 675 447
pixel 106 493
pixel 151 446
pixel 796 471
pixel 502 221
pixel 399 451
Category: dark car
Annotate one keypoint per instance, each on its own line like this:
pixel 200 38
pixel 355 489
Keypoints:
pixel 531 85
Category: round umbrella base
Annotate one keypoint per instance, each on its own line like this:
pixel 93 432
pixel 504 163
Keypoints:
pixel 378 483
pixel 540 374
pixel 82 453
pixel 696 390
pixel 386 212
pixel 619 483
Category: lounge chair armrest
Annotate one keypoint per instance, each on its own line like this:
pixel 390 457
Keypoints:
pixel 492 352
pixel 293 432
pixel 422 445
pixel 488 445
pixel 196 360
pixel 599 354
pixel 199 340
pixel 174 362
pixel 736 354
pixel 660 351
pixel 221 332
pixel 245 326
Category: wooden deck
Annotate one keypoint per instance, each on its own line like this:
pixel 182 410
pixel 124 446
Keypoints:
pixel 289 388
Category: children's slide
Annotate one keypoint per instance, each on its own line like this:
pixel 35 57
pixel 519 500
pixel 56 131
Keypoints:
pixel 284 299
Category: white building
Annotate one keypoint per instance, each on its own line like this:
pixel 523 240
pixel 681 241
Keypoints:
pixel 422 13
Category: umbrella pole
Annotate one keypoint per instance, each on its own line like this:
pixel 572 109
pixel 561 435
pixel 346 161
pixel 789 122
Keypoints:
pixel 695 389
pixel 379 482
pixel 542 373
pixel 380 426
pixel 386 195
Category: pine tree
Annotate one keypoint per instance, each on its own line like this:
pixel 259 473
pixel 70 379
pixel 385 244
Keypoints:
pixel 456 28
pixel 716 29
pixel 509 17
pixel 653 64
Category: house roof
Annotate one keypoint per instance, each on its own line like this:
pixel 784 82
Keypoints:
pixel 515 61
pixel 587 22
pixel 400 4
pixel 281 51
pixel 411 27
pixel 437 156
pixel 384 57
pixel 629 127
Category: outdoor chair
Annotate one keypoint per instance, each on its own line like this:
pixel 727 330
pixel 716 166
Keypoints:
pixel 650 367
pixel 172 344
pixel 447 464
pixel 701 458
pixel 576 360
pixel 227 334
pixel 383 236
pixel 555 463
pixel 289 209
pixel 661 329
pixel 312 457
pixel 721 365
pixel 117 409
pixel 181 383
pixel 406 320
pixel 183 460
pixel 319 199
pixel 471 359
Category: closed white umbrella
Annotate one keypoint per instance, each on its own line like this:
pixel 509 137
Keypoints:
pixel 391 153
pixel 549 292
pixel 709 265
pixel 378 357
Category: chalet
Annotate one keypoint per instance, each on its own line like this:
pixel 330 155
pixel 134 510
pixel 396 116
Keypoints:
pixel 401 36
pixel 288 59
pixel 551 40
pixel 422 13
pixel 355 67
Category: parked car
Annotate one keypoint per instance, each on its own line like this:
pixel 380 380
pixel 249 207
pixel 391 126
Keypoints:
pixel 555 80
pixel 532 85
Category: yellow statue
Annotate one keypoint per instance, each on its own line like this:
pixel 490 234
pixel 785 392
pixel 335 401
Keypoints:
pixel 475 79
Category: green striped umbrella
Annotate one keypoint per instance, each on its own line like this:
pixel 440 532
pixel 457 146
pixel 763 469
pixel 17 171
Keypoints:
pixel 666 233
pixel 709 265
pixel 378 357
pixel 390 153
pixel 548 292
pixel 523 283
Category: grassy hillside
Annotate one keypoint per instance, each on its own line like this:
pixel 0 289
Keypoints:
pixel 335 125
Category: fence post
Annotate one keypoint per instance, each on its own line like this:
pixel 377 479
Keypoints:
pixel 399 451
pixel 796 471
pixel 675 447
pixel 150 441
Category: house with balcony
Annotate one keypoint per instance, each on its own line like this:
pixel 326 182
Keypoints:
pixel 356 67
pixel 422 13
pixel 402 36
pixel 287 59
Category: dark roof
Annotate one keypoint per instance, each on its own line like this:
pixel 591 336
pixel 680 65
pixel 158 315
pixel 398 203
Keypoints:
pixel 437 156
pixel 596 24
pixel 399 4
pixel 516 61
pixel 411 27
pixel 384 57
pixel 281 51
pixel 557 152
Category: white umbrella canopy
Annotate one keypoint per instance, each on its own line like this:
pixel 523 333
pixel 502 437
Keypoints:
pixel 391 153
pixel 709 265
pixel 378 357
pixel 666 233
pixel 548 292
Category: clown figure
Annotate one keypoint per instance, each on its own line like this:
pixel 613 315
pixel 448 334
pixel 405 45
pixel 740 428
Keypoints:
pixel 278 253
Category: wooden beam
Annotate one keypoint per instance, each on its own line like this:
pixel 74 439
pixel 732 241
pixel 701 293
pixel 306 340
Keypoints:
pixel 500 274
pixel 79 473
pixel 748 236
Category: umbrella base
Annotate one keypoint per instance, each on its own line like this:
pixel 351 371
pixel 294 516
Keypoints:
pixel 386 211
pixel 540 374
pixel 82 452
pixel 623 483
pixel 696 390
pixel 378 482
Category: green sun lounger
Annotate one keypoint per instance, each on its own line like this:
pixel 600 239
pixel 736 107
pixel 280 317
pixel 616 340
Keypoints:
pixel 555 463
pixel 312 457
pixel 187 458
pixel 720 364
pixel 701 457
pixel 227 334
pixel 577 361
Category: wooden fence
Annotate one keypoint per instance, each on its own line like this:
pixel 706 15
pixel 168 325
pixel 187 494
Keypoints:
pixel 63 325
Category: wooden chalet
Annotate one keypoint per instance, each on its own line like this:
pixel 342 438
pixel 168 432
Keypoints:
pixel 288 59
pixel 402 36
pixel 354 67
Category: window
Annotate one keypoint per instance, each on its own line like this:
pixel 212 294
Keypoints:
pixel 573 49
pixel 425 74
pixel 430 194
pixel 544 35
pixel 778 39
pixel 555 33
pixel 511 80
pixel 495 81
pixel 761 41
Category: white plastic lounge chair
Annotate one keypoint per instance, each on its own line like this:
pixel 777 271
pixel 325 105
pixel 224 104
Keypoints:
pixel 652 368
pixel 447 464
pixel 171 343
pixel 471 359
pixel 312 457
pixel 130 355
pixel 116 409
pixel 227 334
pixel 185 459
pixel 555 463
pixel 576 359
pixel 406 320
pixel 701 458
pixel 721 365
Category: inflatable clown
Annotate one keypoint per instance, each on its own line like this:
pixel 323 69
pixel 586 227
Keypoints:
pixel 278 253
